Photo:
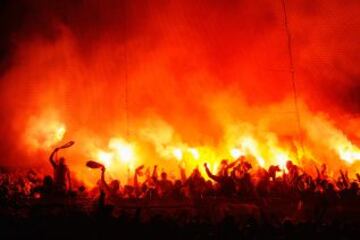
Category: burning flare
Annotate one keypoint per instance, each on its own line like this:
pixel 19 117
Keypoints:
pixel 178 154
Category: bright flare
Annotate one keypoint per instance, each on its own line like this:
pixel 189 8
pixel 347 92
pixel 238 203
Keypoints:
pixel 236 153
pixel 59 133
pixel 123 150
pixel 281 159
pixel 349 153
pixel 105 158
pixel 178 154
pixel 251 147
pixel 195 153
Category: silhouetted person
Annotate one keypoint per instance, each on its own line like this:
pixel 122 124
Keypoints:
pixel 111 190
pixel 196 184
pixel 273 169
pixel 164 185
pixel 293 174
pixel 62 180
pixel 138 189
pixel 227 184
pixel 46 189
pixel 177 192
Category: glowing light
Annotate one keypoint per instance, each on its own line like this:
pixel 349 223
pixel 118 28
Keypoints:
pixel 123 150
pixel 349 153
pixel 194 152
pixel 105 158
pixel 281 159
pixel 334 139
pixel 126 153
pixel 215 167
pixel 59 134
pixel 251 147
pixel 178 154
pixel 236 153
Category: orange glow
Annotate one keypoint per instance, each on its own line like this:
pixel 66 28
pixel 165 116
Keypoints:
pixel 205 86
pixel 119 158
pixel 334 140
pixel 44 132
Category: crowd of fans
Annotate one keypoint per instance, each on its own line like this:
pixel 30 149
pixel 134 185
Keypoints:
pixel 235 180
pixel 237 199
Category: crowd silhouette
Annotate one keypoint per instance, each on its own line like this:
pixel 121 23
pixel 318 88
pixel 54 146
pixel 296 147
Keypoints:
pixel 236 201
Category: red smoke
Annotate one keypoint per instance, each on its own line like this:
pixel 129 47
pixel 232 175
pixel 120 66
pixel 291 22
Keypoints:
pixel 179 73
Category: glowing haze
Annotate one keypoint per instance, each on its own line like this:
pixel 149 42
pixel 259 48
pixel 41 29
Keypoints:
pixel 179 82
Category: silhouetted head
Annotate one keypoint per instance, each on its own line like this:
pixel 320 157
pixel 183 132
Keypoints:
pixel 224 162
pixel 163 176
pixel 330 187
pixel 323 166
pixel 354 186
pixel 247 166
pixel 289 165
pixel 115 185
pixel 62 161
pixel 129 189
pixel 177 184
pixel 273 169
pixel 81 188
pixel 196 173
pixel 47 181
pixel 144 187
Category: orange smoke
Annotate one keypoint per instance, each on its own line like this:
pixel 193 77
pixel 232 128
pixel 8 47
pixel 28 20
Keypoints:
pixel 181 83
pixel 43 132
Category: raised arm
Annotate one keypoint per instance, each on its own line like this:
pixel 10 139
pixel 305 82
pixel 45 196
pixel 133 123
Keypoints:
pixel 182 174
pixel 233 174
pixel 104 185
pixel 136 182
pixel 69 178
pixel 155 174
pixel 318 172
pixel 344 178
pixel 232 164
pixel 52 160
pixel 212 176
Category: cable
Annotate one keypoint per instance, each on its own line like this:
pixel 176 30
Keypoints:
pixel 292 71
